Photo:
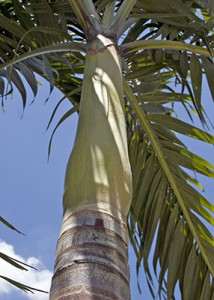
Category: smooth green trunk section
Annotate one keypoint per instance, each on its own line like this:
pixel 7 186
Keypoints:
pixel 98 172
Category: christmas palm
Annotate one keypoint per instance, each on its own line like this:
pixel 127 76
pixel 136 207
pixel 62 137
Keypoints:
pixel 156 53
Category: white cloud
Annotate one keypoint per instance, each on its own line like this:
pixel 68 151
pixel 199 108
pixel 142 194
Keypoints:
pixel 38 279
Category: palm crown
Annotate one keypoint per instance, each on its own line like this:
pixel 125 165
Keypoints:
pixel 166 47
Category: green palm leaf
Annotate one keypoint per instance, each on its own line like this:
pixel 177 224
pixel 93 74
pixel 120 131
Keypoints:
pixel 168 189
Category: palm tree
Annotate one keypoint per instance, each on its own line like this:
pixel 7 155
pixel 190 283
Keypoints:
pixel 125 66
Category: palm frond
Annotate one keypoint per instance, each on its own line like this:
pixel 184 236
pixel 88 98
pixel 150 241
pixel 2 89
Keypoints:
pixel 16 263
pixel 33 43
pixel 9 225
pixel 165 203
pixel 21 286
pixel 168 210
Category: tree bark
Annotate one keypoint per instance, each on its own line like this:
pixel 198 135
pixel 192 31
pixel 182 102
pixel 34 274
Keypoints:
pixel 91 257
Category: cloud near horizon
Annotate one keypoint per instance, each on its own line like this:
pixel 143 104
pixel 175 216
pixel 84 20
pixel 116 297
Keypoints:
pixel 40 278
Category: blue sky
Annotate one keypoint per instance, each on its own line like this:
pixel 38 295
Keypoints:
pixel 31 189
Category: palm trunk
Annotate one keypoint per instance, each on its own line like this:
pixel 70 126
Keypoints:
pixel 91 257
